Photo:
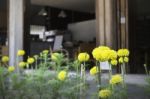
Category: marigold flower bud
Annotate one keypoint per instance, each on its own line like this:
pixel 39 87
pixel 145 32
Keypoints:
pixel 62 75
pixel 21 52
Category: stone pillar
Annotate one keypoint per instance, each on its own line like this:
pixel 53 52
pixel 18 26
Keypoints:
pixel 15 32
pixel 104 22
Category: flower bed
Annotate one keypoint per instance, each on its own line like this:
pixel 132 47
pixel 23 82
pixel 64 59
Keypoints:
pixel 41 83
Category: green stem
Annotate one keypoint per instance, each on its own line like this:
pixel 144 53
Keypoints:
pixel 45 61
pixel 36 64
pixel 123 73
pixel 84 75
pixel 21 95
pixel 27 66
pixel 17 67
pixel 146 70
pixel 99 75
pixel 3 86
pixel 124 68
pixel 82 71
pixel 77 70
pixel 40 96
pixel 77 79
pixel 31 67
pixel 82 80
pixel 110 71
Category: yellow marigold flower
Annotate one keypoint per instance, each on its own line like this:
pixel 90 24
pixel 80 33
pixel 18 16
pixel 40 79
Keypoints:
pixel 55 56
pixel 120 53
pixel 121 60
pixel 113 54
pixel 126 59
pixel 30 60
pixel 5 59
pixel 126 52
pixel 105 93
pixel 21 52
pixel 62 75
pixel 101 54
pixel 123 52
pixel 113 62
pixel 22 64
pixel 45 51
pixel 104 48
pixel 82 57
pixel 94 70
pixel 116 79
pixel 11 68
pixel 96 53
pixel 104 55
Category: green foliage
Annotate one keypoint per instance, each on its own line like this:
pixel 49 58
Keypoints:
pixel 41 83
pixel 147 87
pixel 119 92
pixel 3 76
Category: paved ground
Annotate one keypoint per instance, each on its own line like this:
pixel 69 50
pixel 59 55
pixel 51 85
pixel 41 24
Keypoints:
pixel 135 86
pixel 137 92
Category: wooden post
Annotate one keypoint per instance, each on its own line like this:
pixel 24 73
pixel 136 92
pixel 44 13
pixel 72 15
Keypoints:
pixel 122 23
pixel 100 22
pixel 108 23
pixel 104 22
pixel 15 32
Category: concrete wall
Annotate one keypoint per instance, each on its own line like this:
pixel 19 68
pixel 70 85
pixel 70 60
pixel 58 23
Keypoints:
pixel 83 31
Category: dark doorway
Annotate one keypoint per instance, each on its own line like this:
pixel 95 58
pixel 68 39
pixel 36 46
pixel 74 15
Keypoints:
pixel 139 34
